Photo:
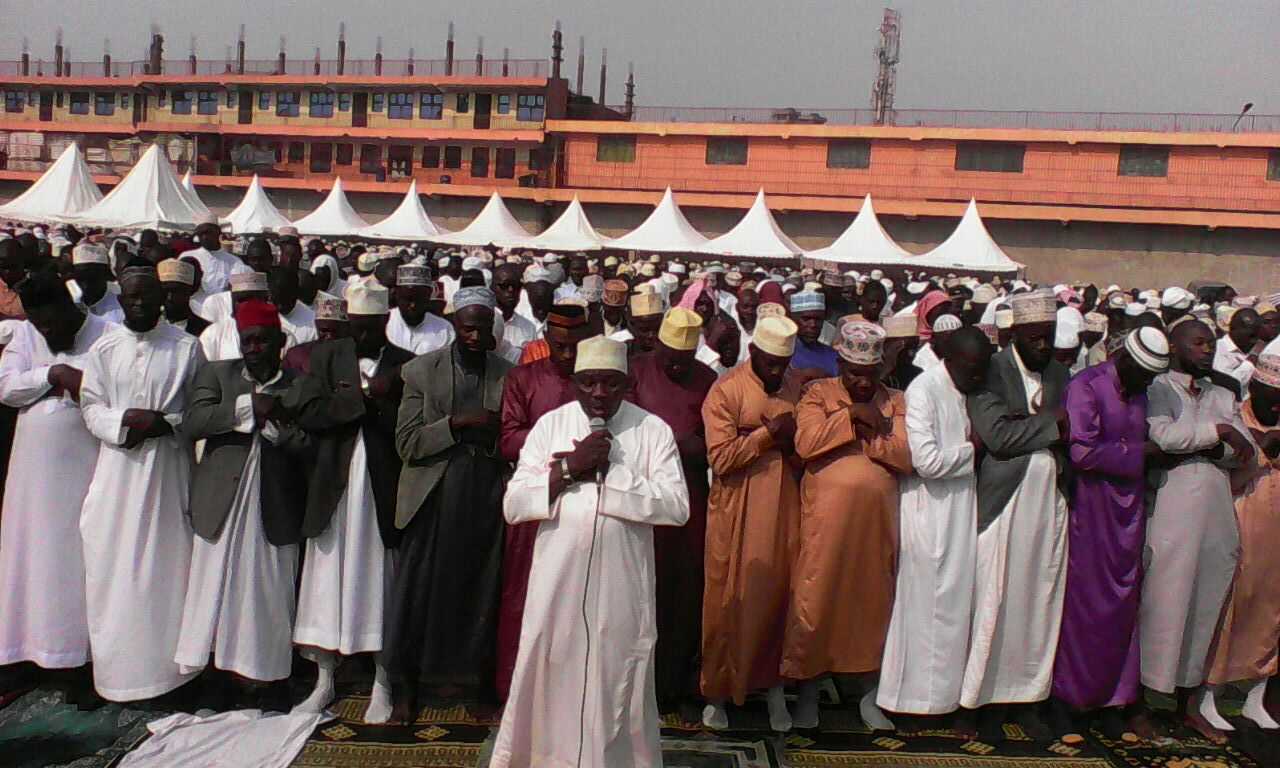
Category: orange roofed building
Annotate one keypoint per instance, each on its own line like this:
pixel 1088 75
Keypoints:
pixel 1115 197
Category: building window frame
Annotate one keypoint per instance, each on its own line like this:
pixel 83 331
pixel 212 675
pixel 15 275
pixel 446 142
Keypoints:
pixel 848 154
pixel 1273 165
pixel 479 162
pixel 431 156
pixel 124 100
pixel 182 102
pixel 79 103
pixel 431 106
pixel 452 157
pixel 370 158
pixel 400 105
pixel 288 104
pixel 377 101
pixel 616 148
pixel 104 103
pixel 296 152
pixel 320 104
pixel 15 101
pixel 531 107
pixel 504 104
pixel 1143 161
pixel 207 102
pixel 321 157
pixel 344 101
pixel 462 103
pixel 344 154
pixel 504 163
pixel 727 150
pixel 233 98
pixel 264 100
pixel 990 156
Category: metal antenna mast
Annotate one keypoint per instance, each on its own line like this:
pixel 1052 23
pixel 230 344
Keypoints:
pixel 887 71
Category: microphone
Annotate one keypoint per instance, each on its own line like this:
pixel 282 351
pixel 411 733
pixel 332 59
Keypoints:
pixel 599 425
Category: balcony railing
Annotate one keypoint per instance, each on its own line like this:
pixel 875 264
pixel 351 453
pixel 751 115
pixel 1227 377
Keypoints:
pixel 525 68
pixel 966 118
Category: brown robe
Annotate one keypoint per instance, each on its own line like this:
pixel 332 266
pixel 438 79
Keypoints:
pixel 753 516
pixel 843 578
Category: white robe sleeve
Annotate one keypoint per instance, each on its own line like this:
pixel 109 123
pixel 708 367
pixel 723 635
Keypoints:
pixel 1186 433
pixel 528 492
pixel 932 461
pixel 658 496
pixel 22 382
pixel 103 421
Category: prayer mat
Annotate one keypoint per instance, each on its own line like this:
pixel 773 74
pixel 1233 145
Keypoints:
pixel 40 729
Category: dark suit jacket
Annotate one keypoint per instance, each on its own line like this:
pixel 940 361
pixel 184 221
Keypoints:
pixel 1001 417
pixel 336 417
pixel 282 477
pixel 423 437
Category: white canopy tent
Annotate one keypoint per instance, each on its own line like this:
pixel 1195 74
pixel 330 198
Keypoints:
pixel 493 226
pixel 256 213
pixel 666 230
pixel 571 232
pixel 334 218
pixel 756 237
pixel 189 188
pixel 149 197
pixel 864 244
pixel 65 189
pixel 970 248
pixel 407 222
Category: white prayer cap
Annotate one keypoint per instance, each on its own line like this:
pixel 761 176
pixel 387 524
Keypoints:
pixel 367 297
pixel 473 296
pixel 592 290
pixel 1033 307
pixel 1066 337
pixel 670 279
pixel 1112 288
pixel 442 262
pixel 413 275
pixel 1149 348
pixel 600 353
pixel 207 218
pixel 288 232
pixel 916 288
pixel 1135 309
pixel 472 262
pixel 248 282
pixel 886 282
pixel 860 343
pixel 176 271
pixel 88 253
pixel 676 268
pixel 877 274
pixel 945 323
pixel 1267 371
pixel 900 326
pixel 331 308
pixel 536 273
pixel 1004 318
pixel 1177 298
pixel 1117 300
pixel 775 336
pixel 983 294
pixel 1095 322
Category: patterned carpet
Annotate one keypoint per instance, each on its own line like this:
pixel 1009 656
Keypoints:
pixel 39 729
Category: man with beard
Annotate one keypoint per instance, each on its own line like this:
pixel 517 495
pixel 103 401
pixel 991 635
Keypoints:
pixel 91 271
pixel 42 608
pixel 595 476
pixel 351 502
pixel 449 507
pixel 1192 538
pixel 1022 516
pixel 178 278
pixel 411 326
pixel 134 529
pixel 529 392
pixel 248 495
pixel 216 265
pixel 808 311
pixel 517 330
pixel 852 433
pixel 752 525
pixel 928 637
pixel 672 385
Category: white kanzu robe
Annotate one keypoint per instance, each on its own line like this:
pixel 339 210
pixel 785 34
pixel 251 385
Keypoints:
pixel 431 334
pixel 928 639
pixel 595 679
pixel 42 611
pixel 134 529
pixel 1021 580
pixel 240 593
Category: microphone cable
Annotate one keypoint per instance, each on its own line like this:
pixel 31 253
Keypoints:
pixel 586 622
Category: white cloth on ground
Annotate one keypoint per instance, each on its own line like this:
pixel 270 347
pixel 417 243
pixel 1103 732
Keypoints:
pixel 246 737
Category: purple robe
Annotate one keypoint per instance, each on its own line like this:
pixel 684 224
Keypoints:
pixel 678 551
pixel 1097 662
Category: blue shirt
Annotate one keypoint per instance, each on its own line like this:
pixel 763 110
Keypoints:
pixel 815 355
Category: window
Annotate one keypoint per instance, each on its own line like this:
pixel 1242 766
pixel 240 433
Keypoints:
pixel 431 106
pixel 453 157
pixel 400 161
pixel 344 102
pixel 264 99
pixel 321 158
pixel 124 101
pixel 207 102
pixel 848 154
pixel 287 104
pixel 321 104
pixel 80 103
pixel 616 149
pixel 377 99
pixel 181 101
pixel 370 158
pixel 297 151
pixel 505 166
pixel 345 153
pixel 536 159
pixel 13 101
pixel 400 106
pixel 57 99
pixel 232 98
pixel 479 162
pixel 104 104
pixel 1273 165
pixel 989 157
pixel 504 103
pixel 161 99
pixel 431 157
pixel 531 107
pixel 726 151
pixel 1143 161
pixel 463 104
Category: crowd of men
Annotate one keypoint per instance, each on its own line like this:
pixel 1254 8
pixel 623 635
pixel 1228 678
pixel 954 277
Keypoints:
pixel 590 489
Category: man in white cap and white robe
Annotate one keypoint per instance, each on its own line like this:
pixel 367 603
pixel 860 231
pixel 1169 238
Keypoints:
pixel 91 272
pixel 221 341
pixel 410 325
pixel 216 265
pixel 597 473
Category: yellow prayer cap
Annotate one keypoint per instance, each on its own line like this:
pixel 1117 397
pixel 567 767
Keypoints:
pixel 775 336
pixel 770 309
pixel 680 329
pixel 611 261
pixel 900 326
pixel 176 271
pixel 600 353
pixel 645 304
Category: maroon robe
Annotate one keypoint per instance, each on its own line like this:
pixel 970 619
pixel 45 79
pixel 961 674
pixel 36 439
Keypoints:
pixel 678 551
pixel 530 391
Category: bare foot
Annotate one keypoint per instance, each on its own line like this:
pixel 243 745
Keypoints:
pixel 403 711
pixel 1142 727
pixel 1195 721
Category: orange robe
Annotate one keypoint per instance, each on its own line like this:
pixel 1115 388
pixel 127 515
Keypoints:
pixel 753 515
pixel 843 578
pixel 1245 647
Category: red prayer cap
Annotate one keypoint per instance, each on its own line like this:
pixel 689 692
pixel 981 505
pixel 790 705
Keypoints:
pixel 770 293
pixel 257 313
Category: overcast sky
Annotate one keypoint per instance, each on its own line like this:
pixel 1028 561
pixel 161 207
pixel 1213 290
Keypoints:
pixel 1114 55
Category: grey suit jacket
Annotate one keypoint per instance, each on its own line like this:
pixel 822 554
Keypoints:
pixel 282 477
pixel 1001 417
pixel 423 437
